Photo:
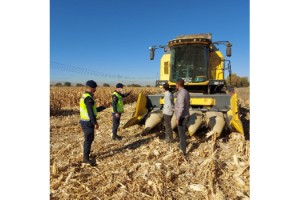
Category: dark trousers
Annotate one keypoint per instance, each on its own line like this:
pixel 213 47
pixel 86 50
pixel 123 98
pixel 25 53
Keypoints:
pixel 116 124
pixel 168 129
pixel 88 131
pixel 181 131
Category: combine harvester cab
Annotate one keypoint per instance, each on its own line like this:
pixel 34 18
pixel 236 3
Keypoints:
pixel 196 60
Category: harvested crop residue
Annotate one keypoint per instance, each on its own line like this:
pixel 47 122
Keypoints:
pixel 145 167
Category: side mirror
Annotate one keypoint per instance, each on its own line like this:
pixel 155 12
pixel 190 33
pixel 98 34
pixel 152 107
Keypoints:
pixel 152 50
pixel 228 49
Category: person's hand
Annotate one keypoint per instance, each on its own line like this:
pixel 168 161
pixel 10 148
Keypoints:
pixel 177 121
pixel 96 126
pixel 117 115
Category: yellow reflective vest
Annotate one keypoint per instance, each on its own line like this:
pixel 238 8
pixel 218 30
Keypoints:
pixel 120 107
pixel 83 110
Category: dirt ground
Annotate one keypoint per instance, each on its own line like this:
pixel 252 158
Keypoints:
pixel 146 167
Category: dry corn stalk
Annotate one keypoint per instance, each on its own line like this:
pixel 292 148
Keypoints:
pixel 143 167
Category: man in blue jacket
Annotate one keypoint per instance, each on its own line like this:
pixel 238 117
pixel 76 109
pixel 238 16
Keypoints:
pixel 117 109
pixel 88 119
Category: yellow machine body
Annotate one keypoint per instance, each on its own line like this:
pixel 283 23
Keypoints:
pixel 140 111
pixel 209 102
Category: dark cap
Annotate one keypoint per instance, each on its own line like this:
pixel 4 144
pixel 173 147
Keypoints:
pixel 119 85
pixel 91 84
pixel 166 86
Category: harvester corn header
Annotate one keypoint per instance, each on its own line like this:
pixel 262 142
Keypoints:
pixel 195 59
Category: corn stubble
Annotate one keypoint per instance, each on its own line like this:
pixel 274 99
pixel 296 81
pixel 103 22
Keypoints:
pixel 143 167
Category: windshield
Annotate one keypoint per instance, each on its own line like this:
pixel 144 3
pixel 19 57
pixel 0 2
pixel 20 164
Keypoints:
pixel 189 62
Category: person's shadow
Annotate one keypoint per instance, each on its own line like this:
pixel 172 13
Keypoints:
pixel 245 121
pixel 131 146
pixel 100 108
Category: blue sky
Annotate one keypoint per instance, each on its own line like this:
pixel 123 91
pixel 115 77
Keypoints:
pixel 111 38
pixel 25 68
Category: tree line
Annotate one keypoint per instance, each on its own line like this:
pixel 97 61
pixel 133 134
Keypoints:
pixel 68 84
pixel 238 81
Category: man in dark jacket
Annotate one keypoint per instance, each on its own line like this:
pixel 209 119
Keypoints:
pixel 88 119
pixel 117 109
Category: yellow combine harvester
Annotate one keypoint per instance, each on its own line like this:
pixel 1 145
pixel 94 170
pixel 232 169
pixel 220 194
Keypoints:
pixel 196 60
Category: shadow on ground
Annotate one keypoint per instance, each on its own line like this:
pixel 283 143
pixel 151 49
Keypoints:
pixel 245 118
pixel 65 112
pixel 131 146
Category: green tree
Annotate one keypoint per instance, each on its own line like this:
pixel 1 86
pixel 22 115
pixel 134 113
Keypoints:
pixel 237 81
pixel 67 84
pixel 244 82
pixel 234 80
pixel 106 85
pixel 58 84
pixel 79 84
pixel 134 85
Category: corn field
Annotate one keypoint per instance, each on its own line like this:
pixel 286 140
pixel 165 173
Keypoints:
pixel 68 97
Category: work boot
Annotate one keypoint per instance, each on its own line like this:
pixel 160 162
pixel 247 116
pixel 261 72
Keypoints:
pixel 116 137
pixel 88 161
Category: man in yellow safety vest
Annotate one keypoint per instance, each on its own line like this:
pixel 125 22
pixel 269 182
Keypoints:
pixel 117 109
pixel 88 119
